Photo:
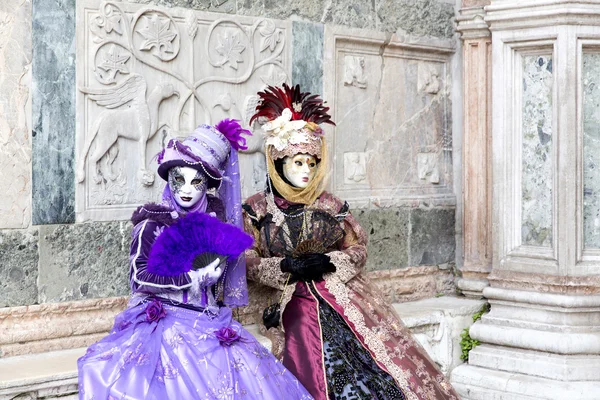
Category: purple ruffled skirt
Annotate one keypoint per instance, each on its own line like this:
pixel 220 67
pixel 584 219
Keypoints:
pixel 160 351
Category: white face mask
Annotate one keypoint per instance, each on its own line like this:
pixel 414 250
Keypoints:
pixel 187 185
pixel 300 169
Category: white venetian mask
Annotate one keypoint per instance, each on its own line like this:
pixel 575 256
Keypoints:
pixel 300 169
pixel 187 185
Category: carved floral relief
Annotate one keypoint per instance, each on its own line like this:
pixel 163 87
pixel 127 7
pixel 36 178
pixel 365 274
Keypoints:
pixel 146 75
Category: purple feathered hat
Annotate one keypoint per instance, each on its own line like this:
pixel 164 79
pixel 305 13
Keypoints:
pixel 207 149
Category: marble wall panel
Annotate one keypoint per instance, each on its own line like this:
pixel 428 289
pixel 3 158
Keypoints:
pixel 307 53
pixel 432 236
pixel 591 149
pixel 417 17
pixel 388 233
pixel 53 114
pixel 537 155
pixel 83 261
pixel 15 113
pixel 18 267
pixel 391 102
pixel 168 70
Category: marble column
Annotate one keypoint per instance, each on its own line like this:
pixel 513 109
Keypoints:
pixel 477 168
pixel 541 339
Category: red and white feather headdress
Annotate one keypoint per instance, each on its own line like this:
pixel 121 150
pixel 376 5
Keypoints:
pixel 293 119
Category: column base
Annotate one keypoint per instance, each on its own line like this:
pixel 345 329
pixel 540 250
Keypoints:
pixel 476 383
pixel 472 288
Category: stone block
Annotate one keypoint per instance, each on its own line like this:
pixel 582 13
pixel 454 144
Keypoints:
pixel 417 17
pixel 311 10
pixel 413 283
pixel 15 113
pixel 83 261
pixel 18 267
pixel 388 231
pixel 224 6
pixel 53 113
pixel 352 13
pixel 56 326
pixel 437 323
pixel 307 58
pixel 432 236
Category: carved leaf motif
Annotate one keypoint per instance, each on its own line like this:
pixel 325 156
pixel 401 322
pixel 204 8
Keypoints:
pixel 158 36
pixel 191 23
pixel 113 22
pixel 274 77
pixel 114 62
pixel 270 36
pixel 230 48
pixel 108 21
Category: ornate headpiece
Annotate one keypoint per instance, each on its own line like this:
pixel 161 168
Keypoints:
pixel 293 121
pixel 207 149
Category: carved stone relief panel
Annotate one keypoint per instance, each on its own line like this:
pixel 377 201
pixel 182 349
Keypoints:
pixel 355 170
pixel 146 75
pixel 354 72
pixel 390 100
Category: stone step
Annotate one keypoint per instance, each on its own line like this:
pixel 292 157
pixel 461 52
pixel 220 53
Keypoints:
pixel 436 323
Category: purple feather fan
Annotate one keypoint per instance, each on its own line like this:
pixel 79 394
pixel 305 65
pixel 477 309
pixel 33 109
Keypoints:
pixel 231 129
pixel 174 251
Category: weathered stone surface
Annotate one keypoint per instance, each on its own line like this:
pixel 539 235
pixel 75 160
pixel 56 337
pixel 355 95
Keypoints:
pixel 353 13
pixel 432 238
pixel 56 326
pixel 15 113
pixel 537 164
pixel 307 58
pixel 18 267
pixel 413 283
pixel 417 17
pixel 392 143
pixel 226 6
pixel 388 237
pixel 53 111
pixel 591 150
pixel 84 261
pixel 311 10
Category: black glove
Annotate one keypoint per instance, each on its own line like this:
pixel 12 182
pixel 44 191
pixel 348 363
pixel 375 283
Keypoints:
pixel 307 267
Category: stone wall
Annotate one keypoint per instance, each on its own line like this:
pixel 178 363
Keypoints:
pixel 385 67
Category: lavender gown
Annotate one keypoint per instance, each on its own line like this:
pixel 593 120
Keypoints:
pixel 166 346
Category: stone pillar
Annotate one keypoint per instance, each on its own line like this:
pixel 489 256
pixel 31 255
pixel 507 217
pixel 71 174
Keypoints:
pixel 477 168
pixel 541 339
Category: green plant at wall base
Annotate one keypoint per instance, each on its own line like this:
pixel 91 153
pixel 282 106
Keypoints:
pixel 466 342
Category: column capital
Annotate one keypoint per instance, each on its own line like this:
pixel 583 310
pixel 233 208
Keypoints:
pixel 471 23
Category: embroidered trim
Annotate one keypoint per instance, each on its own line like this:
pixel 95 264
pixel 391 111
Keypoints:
pixel 372 341
pixel 321 334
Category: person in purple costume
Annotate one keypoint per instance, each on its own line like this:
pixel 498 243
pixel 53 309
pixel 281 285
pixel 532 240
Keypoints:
pixel 177 338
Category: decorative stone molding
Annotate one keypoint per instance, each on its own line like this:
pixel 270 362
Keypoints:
pixel 477 142
pixel 146 75
pixel 57 326
pixel 383 120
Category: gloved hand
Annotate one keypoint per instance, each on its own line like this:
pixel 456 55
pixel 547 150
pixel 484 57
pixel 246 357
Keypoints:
pixel 307 267
pixel 206 276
